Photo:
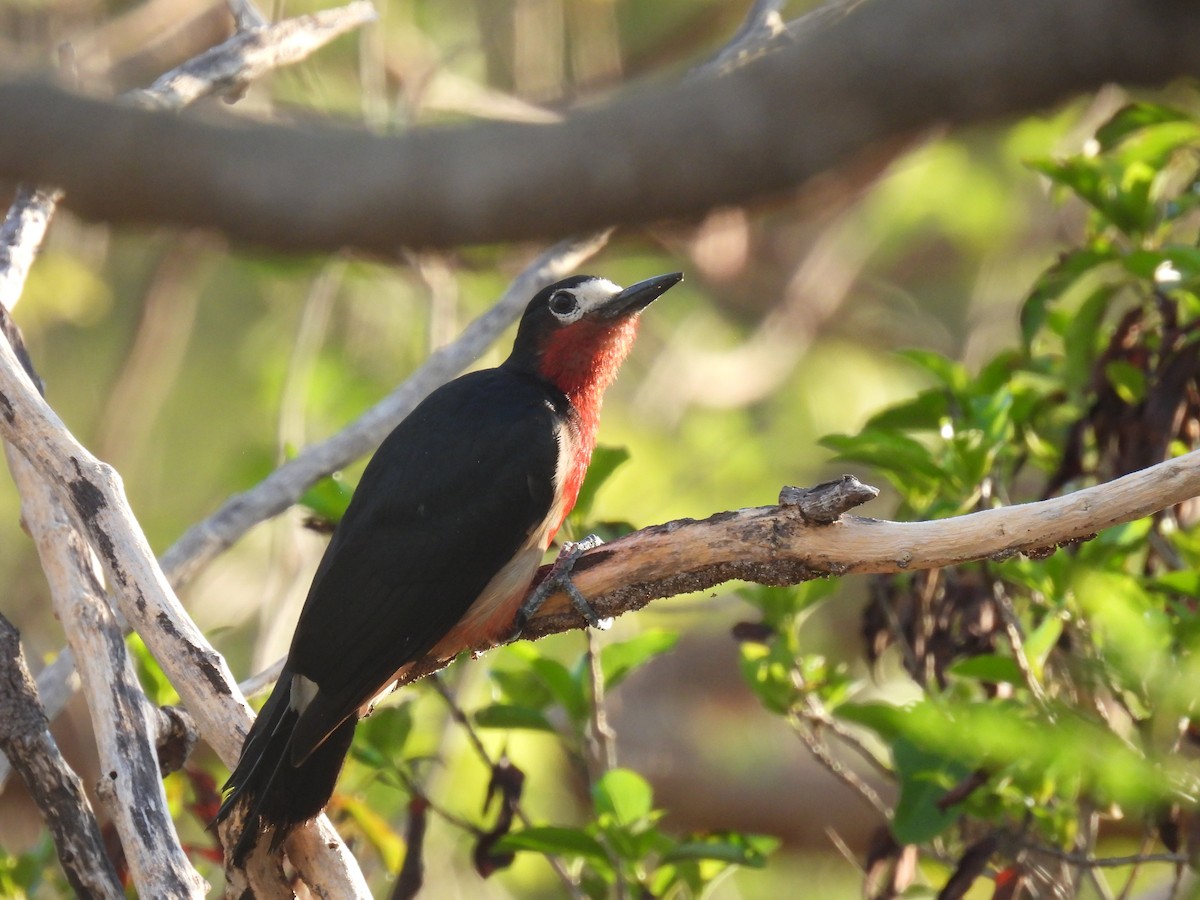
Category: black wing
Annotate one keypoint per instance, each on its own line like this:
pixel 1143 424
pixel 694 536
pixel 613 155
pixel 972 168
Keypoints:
pixel 446 502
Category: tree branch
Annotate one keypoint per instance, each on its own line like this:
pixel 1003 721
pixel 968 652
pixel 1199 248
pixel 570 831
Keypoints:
pixel 25 739
pixel 119 710
pixel 776 545
pixel 122 718
pixel 883 70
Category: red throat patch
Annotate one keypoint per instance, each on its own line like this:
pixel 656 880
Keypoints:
pixel 582 360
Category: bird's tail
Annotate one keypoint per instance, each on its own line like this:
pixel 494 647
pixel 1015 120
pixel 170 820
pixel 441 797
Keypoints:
pixel 277 795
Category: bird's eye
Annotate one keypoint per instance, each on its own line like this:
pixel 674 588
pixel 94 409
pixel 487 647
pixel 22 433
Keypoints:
pixel 563 303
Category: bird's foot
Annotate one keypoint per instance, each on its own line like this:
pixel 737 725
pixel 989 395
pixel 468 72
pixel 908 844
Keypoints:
pixel 559 579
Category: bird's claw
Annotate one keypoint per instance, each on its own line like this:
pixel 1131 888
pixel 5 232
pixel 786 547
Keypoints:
pixel 559 579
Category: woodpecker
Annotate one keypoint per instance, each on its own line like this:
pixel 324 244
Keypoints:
pixel 440 542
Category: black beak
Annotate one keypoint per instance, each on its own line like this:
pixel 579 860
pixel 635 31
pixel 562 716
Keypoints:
pixel 638 296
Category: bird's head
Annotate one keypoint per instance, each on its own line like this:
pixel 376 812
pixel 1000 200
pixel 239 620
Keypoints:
pixel 577 332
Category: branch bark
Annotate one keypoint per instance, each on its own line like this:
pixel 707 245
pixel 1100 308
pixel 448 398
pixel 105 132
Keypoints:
pixel 25 739
pixel 123 719
pixel 779 545
pixel 883 70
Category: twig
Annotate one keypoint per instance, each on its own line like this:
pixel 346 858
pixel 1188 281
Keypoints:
pixel 1089 861
pixel 1135 870
pixel 21 237
pixel 246 15
pixel 602 749
pixel 249 54
pixel 773 545
pixel 459 715
pixel 814 711
pixel 834 766
pixel 25 738
pixel 1012 627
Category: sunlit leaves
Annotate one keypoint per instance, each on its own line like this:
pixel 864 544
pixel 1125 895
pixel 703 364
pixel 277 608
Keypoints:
pixel 623 842
pixel 527 694
pixel 1073 685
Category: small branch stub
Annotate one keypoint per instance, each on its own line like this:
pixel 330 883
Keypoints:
pixel 824 503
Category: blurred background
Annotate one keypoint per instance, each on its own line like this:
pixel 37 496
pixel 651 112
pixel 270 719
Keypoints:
pixel 195 367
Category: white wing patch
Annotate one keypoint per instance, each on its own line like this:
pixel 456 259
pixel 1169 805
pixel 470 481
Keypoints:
pixel 303 691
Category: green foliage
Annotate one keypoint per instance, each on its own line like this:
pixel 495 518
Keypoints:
pixel 1054 686
pixel 32 874
pixel 623 843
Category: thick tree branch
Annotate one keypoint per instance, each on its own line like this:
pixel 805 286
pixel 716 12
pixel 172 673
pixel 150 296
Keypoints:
pixel 885 69
pixel 777 545
pixel 95 497
pixel 119 711
pixel 123 720
pixel 25 739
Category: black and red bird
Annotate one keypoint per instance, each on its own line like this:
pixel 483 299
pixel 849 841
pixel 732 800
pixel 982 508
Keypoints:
pixel 440 542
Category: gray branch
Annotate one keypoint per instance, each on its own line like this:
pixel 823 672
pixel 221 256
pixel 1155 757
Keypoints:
pixel 123 719
pixel 25 738
pixel 884 69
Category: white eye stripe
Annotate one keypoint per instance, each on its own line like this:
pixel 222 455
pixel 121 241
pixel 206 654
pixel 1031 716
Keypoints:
pixel 586 296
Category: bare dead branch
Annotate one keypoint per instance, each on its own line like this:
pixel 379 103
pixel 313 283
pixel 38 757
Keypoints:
pixel 251 53
pixel 94 496
pixel 775 545
pixel 21 236
pixel 246 15
pixel 120 714
pixel 25 739
pixel 122 719
pixel 882 71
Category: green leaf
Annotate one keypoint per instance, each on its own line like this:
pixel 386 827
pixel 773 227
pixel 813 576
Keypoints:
pixel 1057 281
pixel 1127 380
pixel 1132 118
pixel 375 828
pixel 1044 639
pixel 886 720
pixel 618 660
pixel 623 794
pixel 781 604
pixel 924 412
pixel 1148 150
pixel 521 687
pixel 566 688
pixel 768 671
pixel 605 461
pixel 1185 581
pixel 989 667
pixel 736 849
pixel 947 371
pixel 153 680
pixel 387 729
pixel 1149 264
pixel 503 715
pixel 569 842
pixel 924 779
pixel 328 498
pixel 1080 336
pixel 889 452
